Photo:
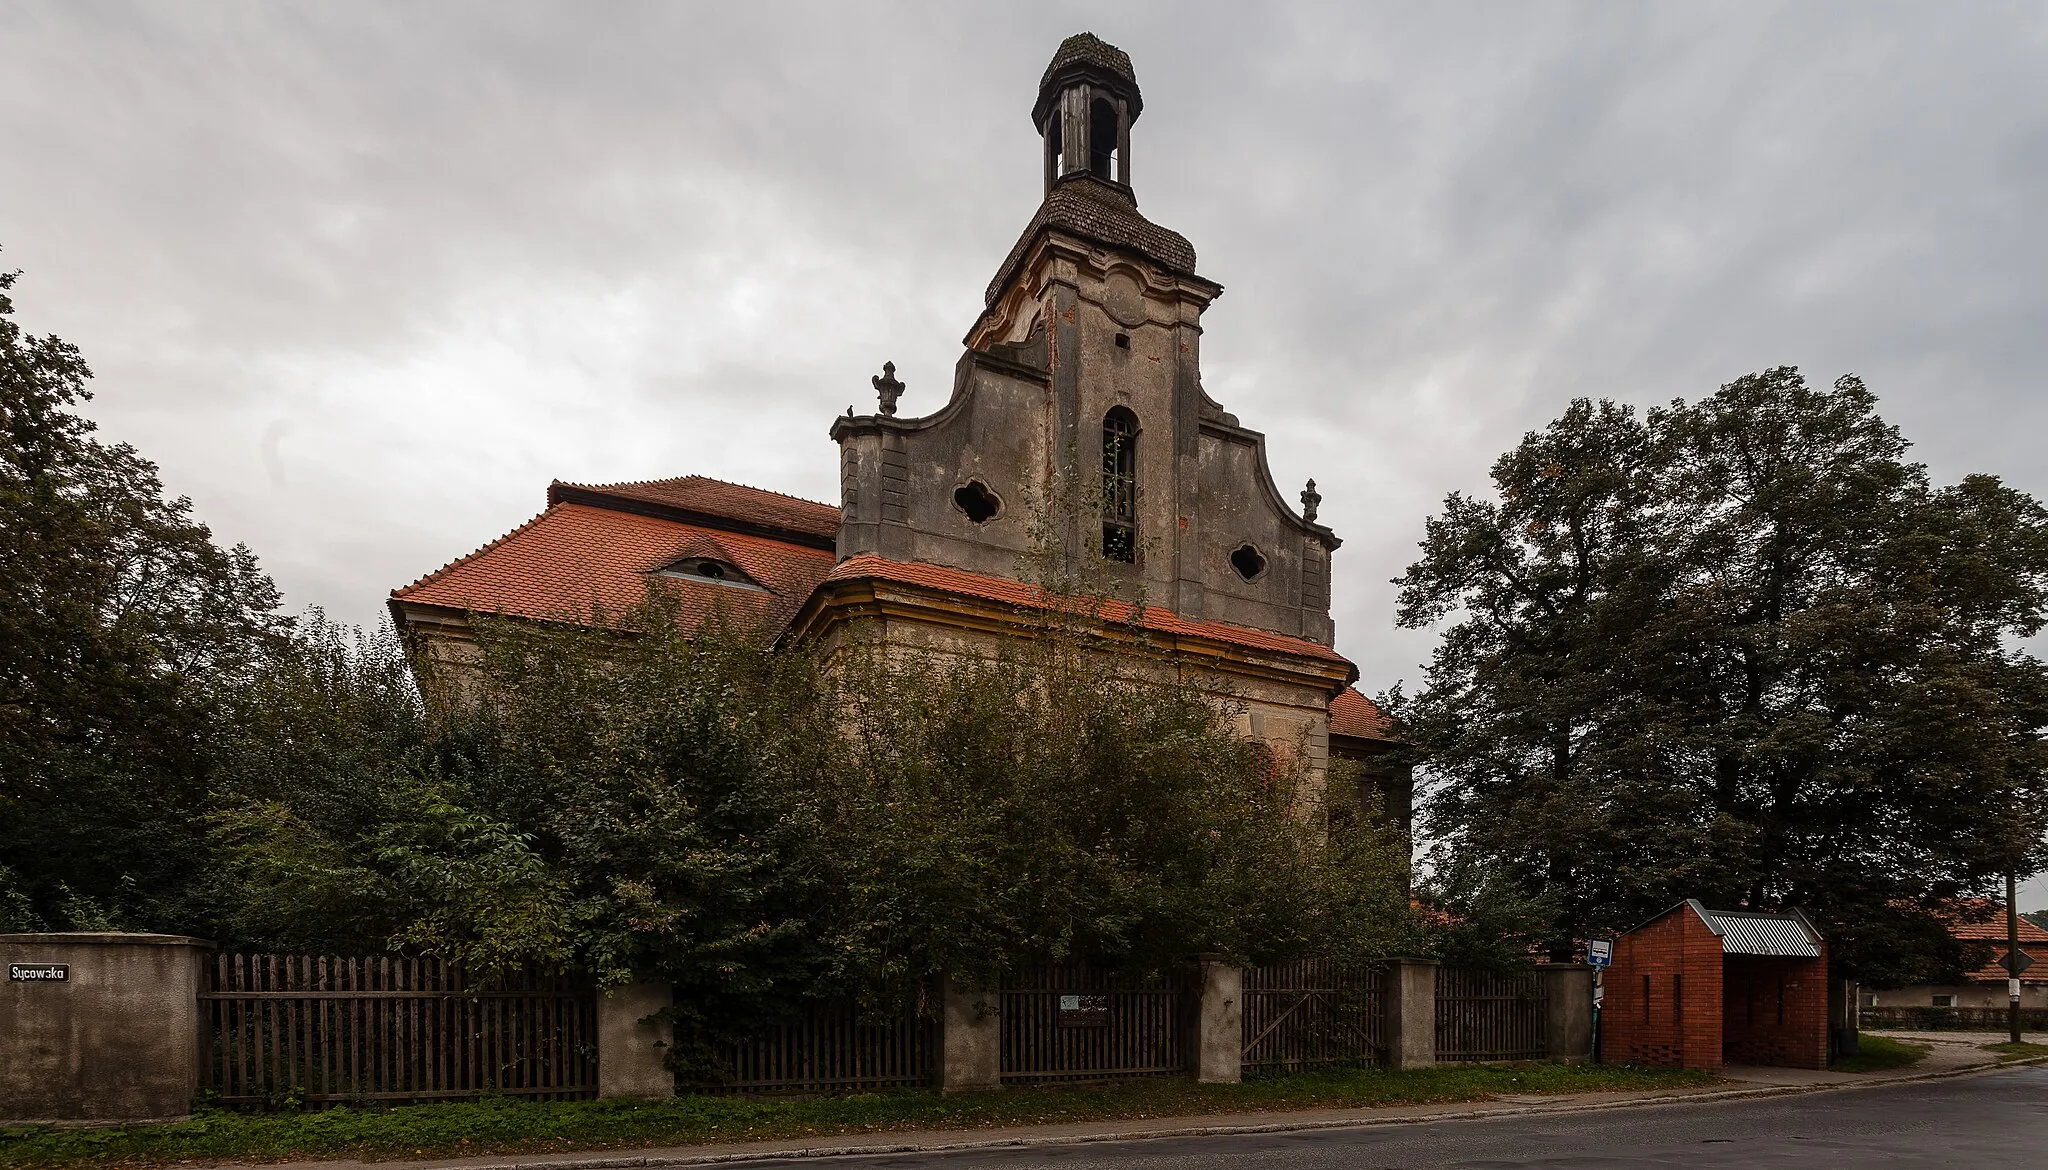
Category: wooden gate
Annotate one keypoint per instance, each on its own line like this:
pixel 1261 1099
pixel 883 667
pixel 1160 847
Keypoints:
pixel 1491 1015
pixel 1068 1023
pixel 1314 1012
pixel 283 1030
pixel 831 1049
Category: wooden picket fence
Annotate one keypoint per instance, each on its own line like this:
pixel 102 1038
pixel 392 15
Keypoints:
pixel 1314 1012
pixel 1068 1023
pixel 1491 1015
pixel 284 1030
pixel 832 1049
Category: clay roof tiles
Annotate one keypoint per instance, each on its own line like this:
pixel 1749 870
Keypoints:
pixel 1105 213
pixel 1354 715
pixel 718 498
pixel 575 561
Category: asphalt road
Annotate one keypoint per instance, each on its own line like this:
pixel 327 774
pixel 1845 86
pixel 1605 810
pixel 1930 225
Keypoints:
pixel 1998 1121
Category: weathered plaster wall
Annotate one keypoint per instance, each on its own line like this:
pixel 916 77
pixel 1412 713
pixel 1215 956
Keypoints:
pixel 117 1041
pixel 1272 700
pixel 1081 332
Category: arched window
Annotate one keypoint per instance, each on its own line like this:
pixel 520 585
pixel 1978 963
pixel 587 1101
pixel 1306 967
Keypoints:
pixel 1120 485
pixel 1102 139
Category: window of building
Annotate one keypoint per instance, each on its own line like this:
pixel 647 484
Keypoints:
pixel 976 501
pixel 1944 1001
pixel 711 571
pixel 1249 562
pixel 1120 485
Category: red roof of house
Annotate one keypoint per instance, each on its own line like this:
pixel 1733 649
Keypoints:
pixel 717 498
pixel 1018 593
pixel 1983 921
pixel 575 559
pixel 1355 715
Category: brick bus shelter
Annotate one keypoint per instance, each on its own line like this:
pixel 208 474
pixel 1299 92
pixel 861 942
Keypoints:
pixel 1699 988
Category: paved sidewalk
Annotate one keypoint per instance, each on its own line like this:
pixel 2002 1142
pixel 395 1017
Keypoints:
pixel 1948 1052
pixel 1950 1058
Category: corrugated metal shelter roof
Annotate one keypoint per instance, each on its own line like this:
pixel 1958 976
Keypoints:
pixel 1787 934
pixel 1753 932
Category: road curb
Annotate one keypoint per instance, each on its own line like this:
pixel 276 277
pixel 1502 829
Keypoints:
pixel 656 1162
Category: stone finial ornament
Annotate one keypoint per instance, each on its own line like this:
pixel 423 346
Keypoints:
pixel 1311 499
pixel 888 388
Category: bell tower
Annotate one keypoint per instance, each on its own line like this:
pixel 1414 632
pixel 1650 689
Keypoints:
pixel 1087 101
pixel 1080 386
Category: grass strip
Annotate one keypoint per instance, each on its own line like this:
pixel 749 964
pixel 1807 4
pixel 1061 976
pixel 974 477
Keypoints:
pixel 2007 1050
pixel 1878 1053
pixel 503 1125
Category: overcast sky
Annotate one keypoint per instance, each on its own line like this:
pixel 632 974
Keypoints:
pixel 362 278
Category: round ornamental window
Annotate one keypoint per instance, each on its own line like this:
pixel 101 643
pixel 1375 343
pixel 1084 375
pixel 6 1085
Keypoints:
pixel 976 501
pixel 1249 562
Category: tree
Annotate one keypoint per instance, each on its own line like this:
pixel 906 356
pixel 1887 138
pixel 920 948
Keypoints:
pixel 120 624
pixel 1739 650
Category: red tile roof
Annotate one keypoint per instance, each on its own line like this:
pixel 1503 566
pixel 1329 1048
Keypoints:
pixel 1983 921
pixel 716 497
pixel 575 558
pixel 1352 714
pixel 1018 593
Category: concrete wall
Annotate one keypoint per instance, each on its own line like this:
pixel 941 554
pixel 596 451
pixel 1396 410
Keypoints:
pixel 1964 995
pixel 631 1050
pixel 1663 1000
pixel 1411 1013
pixel 1216 1043
pixel 970 1040
pixel 1568 1004
pixel 118 1040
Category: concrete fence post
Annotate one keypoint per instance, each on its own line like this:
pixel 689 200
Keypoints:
pixel 631 1048
pixel 970 1040
pixel 1216 1043
pixel 100 1026
pixel 1568 1009
pixel 1411 1013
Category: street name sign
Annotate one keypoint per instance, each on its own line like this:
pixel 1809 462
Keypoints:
pixel 38 973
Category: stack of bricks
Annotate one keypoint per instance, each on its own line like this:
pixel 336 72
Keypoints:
pixel 1662 1006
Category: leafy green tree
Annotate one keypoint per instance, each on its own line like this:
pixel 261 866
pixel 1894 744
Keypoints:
pixel 121 622
pixel 764 827
pixel 1738 650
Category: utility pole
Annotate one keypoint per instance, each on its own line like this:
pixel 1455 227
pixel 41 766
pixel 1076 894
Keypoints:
pixel 2012 951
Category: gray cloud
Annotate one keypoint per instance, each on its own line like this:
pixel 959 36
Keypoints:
pixel 363 278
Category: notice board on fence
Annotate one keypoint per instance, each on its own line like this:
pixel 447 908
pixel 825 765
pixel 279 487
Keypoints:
pixel 1084 1011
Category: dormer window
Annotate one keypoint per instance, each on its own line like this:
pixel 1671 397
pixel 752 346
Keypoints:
pixel 712 571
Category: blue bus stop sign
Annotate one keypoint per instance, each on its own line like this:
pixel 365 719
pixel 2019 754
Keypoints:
pixel 1600 952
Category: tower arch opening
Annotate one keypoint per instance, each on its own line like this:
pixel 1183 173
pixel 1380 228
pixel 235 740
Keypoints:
pixel 1120 485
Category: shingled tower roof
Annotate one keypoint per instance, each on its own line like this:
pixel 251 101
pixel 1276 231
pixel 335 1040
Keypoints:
pixel 1087 101
pixel 1087 57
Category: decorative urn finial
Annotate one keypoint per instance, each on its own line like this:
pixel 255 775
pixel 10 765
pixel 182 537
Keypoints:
pixel 888 389
pixel 1310 501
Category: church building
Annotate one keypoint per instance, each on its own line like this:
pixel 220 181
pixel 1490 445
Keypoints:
pixel 1080 380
